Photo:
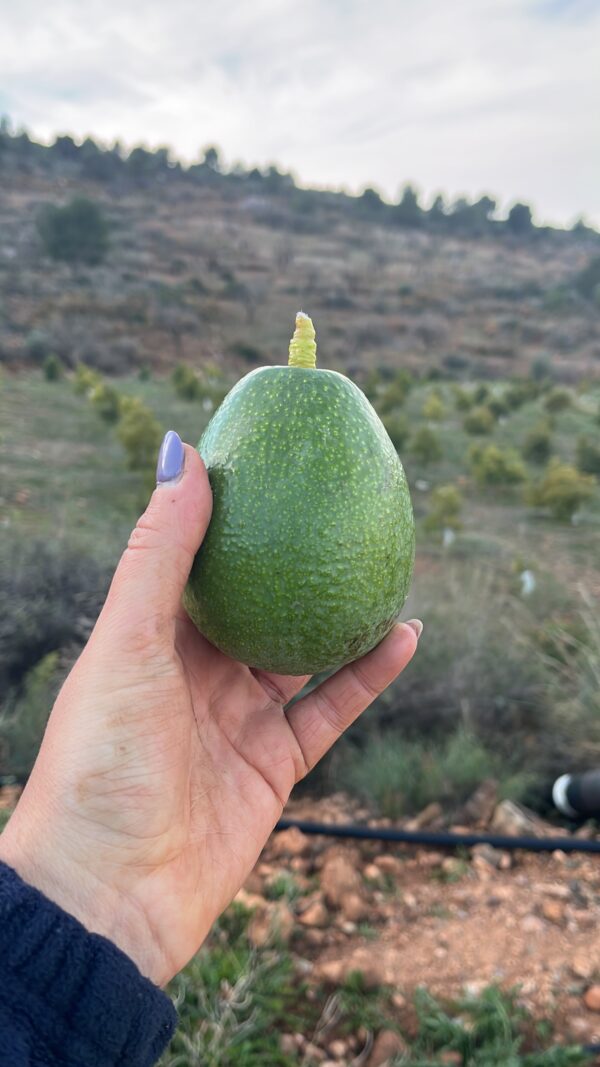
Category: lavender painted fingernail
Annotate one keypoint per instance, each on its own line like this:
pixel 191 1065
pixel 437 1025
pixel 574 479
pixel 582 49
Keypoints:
pixel 169 467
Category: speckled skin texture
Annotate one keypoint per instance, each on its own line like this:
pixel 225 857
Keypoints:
pixel 309 554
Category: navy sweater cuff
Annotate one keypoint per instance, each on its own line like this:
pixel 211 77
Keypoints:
pixel 83 1000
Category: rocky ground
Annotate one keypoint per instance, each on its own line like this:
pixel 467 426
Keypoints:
pixel 409 916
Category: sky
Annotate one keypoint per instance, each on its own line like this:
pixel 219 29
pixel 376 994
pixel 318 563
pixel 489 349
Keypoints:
pixel 463 97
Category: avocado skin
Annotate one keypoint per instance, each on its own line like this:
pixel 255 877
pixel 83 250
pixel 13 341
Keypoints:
pixel 309 553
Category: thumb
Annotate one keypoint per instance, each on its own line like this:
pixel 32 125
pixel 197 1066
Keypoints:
pixel 147 587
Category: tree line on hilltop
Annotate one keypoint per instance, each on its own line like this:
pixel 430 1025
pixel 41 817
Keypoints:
pixel 144 167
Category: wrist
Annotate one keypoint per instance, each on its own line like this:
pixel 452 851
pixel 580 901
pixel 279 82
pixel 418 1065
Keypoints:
pixel 99 908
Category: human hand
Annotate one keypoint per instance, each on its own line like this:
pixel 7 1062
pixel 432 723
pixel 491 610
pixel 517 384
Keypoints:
pixel 165 764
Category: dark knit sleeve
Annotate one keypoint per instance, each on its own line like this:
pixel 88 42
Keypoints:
pixel 69 998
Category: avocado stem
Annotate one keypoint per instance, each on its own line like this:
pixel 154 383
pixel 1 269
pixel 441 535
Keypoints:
pixel 303 347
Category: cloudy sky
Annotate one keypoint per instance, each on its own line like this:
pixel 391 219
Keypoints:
pixel 465 97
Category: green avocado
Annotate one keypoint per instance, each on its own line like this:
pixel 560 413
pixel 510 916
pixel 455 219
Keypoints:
pixel 309 553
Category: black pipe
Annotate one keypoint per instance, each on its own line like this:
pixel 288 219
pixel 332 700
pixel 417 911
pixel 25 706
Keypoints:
pixel 441 838
pixel 577 795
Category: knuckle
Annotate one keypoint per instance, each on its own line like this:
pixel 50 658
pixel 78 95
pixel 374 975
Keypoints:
pixel 364 682
pixel 333 712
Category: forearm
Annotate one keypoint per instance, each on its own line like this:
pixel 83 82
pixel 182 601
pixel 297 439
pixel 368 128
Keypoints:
pixel 68 996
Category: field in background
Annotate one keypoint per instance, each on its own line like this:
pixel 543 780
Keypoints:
pixel 503 685
pixel 482 354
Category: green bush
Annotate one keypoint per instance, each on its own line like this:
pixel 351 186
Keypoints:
pixel 538 443
pixel 106 401
pixel 24 717
pixel 492 465
pixel 53 368
pixel 186 382
pixel 521 392
pixel 425 445
pixel 557 400
pixel 140 434
pixel 75 233
pixel 393 396
pixel 399 776
pixel 433 407
pixel 463 398
pixel 492 1029
pixel 371 384
pixel 588 455
pixel 480 393
pixel 85 379
pixel 562 490
pixel 398 429
pixel 479 421
pixel 498 406
pixel 446 506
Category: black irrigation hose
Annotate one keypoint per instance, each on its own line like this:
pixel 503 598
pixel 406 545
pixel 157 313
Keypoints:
pixel 441 838
pixel 446 839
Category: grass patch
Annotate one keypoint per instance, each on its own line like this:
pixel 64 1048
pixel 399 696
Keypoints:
pixel 491 1030
pixel 234 1002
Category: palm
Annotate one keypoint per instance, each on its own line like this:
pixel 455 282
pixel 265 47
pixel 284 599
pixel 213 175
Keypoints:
pixel 229 757
pixel 232 769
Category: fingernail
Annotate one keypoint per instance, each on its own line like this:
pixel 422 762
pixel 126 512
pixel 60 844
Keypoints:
pixel 416 625
pixel 169 467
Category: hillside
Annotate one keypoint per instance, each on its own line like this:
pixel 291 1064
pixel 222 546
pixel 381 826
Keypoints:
pixel 215 269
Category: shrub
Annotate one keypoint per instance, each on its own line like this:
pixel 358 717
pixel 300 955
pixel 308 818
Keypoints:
pixel 433 408
pixel 139 433
pixel 481 393
pixel 24 718
pixel 49 593
pixel 446 505
pixel 185 382
pixel 537 445
pixel 37 345
pixel 370 385
pixel 398 429
pixel 399 775
pixel 486 1030
pixel 393 396
pixel 478 421
pixel 426 446
pixel 492 465
pixel 106 401
pixel 75 233
pixel 588 455
pixel 85 379
pixel 558 399
pixel 249 353
pixel 463 398
pixel 541 369
pixel 562 490
pixel 498 406
pixel 521 392
pixel 587 282
pixel 53 368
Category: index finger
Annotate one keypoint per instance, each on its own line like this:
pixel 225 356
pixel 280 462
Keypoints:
pixel 321 717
